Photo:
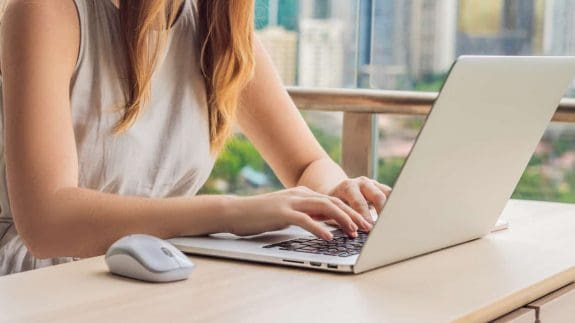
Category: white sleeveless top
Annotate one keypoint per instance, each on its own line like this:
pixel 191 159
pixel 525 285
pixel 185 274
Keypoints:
pixel 165 153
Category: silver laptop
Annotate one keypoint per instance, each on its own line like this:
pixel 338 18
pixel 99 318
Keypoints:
pixel 475 144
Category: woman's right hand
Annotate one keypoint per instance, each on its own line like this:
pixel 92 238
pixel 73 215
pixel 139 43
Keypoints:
pixel 299 206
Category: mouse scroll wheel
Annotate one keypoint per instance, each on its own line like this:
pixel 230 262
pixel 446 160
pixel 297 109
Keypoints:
pixel 167 252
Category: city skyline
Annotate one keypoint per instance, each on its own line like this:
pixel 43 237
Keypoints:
pixel 402 45
pixel 412 41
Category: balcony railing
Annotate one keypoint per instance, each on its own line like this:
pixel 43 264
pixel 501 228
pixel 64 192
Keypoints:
pixel 360 107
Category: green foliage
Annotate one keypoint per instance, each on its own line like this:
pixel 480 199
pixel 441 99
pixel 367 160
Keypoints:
pixel 537 159
pixel 414 123
pixel 388 170
pixel 535 184
pixel 329 142
pixel 561 145
pixel 242 149
pixel 430 83
pixel 567 189
pixel 239 152
pixel 208 189
pixel 532 185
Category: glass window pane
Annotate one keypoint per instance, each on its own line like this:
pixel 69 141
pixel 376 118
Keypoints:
pixel 414 43
pixel 313 43
pixel 411 45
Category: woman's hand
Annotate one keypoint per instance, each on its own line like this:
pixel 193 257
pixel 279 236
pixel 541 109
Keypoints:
pixel 295 206
pixel 360 192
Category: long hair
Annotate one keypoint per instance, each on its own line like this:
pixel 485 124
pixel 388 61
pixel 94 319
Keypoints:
pixel 225 33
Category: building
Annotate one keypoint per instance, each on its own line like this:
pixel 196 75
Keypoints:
pixel 346 12
pixel 559 27
pixel 321 53
pixel 432 36
pixel 312 42
pixel 276 25
pixel 328 46
pixel 389 59
pixel 411 39
pixel 496 27
pixel 277 12
pixel 281 45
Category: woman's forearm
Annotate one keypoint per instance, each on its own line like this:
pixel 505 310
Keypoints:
pixel 81 222
pixel 322 175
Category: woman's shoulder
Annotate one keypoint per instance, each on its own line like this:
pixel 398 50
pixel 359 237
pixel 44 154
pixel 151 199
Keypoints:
pixel 31 29
pixel 37 12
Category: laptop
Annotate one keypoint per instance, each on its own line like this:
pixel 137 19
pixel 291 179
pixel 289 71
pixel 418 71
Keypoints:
pixel 466 161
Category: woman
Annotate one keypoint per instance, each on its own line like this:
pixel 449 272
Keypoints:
pixel 114 111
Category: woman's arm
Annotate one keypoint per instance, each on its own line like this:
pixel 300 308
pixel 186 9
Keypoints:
pixel 39 51
pixel 57 218
pixel 272 122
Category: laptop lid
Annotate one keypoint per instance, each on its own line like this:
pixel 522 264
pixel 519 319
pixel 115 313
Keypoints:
pixel 470 154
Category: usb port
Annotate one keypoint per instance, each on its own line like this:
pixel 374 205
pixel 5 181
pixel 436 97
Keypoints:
pixel 316 264
pixel 331 266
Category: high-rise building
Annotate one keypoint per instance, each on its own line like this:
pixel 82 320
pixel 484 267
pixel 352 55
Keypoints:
pixel 281 45
pixel 321 53
pixel 390 53
pixel 432 36
pixel 559 27
pixel 498 27
pixel 276 22
pixel 411 39
pixel 310 42
pixel 277 12
pixel 327 47
pixel 346 12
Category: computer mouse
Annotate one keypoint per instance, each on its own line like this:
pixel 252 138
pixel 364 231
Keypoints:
pixel 147 258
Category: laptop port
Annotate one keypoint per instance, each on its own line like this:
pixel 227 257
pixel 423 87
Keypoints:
pixel 293 261
pixel 316 264
pixel 331 266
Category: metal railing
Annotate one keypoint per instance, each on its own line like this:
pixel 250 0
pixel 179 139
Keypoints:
pixel 360 107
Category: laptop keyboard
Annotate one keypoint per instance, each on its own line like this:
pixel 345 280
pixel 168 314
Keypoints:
pixel 341 245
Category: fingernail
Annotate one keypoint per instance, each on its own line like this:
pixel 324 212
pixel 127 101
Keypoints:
pixel 367 226
pixel 328 236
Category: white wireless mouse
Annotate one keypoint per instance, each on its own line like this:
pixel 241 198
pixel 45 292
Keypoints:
pixel 147 258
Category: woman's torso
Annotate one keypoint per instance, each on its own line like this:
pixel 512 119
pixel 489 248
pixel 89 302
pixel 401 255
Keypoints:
pixel 165 153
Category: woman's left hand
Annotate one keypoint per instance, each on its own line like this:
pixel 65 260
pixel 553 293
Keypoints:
pixel 360 192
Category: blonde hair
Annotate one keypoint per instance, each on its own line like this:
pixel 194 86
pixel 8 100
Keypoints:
pixel 227 59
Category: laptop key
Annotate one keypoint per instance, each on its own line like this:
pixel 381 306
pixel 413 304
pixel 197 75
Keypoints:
pixel 341 245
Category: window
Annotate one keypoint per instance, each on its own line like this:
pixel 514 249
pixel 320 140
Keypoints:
pixel 403 45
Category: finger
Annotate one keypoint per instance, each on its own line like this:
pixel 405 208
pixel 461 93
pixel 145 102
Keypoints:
pixel 302 190
pixel 331 222
pixel 383 188
pixel 305 222
pixel 356 217
pixel 326 209
pixel 373 194
pixel 353 197
pixel 353 214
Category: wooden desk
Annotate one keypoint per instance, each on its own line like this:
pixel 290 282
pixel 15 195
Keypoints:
pixel 476 281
